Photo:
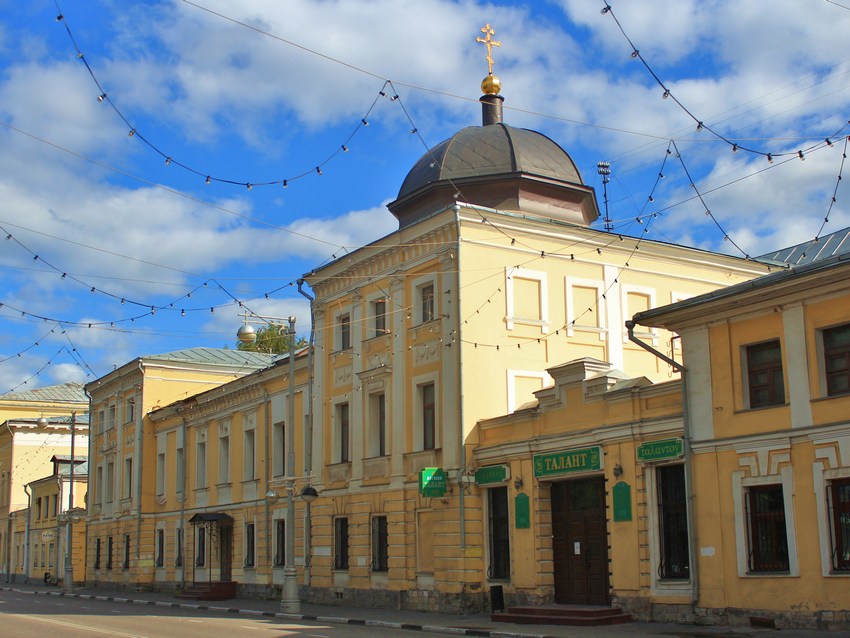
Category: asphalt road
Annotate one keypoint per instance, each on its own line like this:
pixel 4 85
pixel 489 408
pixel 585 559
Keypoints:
pixel 27 616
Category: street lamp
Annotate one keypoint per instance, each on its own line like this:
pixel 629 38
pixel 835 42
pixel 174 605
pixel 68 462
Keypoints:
pixel 290 602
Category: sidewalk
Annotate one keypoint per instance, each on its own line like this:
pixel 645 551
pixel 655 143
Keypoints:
pixel 471 625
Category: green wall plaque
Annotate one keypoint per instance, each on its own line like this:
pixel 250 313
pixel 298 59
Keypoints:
pixel 659 450
pixel 622 501
pixel 522 511
pixel 492 474
pixel 567 461
pixel 433 481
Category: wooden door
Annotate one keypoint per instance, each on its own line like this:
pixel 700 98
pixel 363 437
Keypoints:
pixel 580 542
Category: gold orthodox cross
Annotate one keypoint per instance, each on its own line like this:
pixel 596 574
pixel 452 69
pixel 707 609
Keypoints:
pixel 487 41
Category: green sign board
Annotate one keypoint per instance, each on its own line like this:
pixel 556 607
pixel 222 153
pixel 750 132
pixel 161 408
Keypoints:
pixel 579 460
pixel 659 450
pixel 522 511
pixel 622 501
pixel 433 481
pixel 492 474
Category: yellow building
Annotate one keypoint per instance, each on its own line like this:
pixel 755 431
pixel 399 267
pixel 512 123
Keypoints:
pixel 26 449
pixel 127 466
pixel 767 405
pixel 47 527
pixel 216 531
pixel 492 279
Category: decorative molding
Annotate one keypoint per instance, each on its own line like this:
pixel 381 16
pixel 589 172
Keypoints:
pixel 343 375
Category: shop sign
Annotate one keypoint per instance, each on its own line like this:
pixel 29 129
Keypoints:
pixel 660 450
pixel 492 474
pixel 48 535
pixel 433 481
pixel 568 461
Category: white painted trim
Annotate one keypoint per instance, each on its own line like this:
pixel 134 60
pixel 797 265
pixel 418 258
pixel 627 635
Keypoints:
pixel 512 376
pixel 512 318
pixel 601 306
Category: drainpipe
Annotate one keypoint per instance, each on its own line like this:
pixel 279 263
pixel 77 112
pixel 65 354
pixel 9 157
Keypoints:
pixel 461 444
pixel 97 491
pixel 308 442
pixel 266 504
pixel 686 445
pixel 140 421
pixel 27 535
pixel 183 506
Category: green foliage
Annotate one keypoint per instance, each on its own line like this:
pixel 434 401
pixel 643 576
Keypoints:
pixel 273 339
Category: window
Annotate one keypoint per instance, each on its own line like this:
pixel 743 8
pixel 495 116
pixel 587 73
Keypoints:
pixel 380 544
pixel 110 482
pixel 426 301
pixel 224 459
pixel 201 465
pixel 498 520
pixel 378 425
pixel 340 543
pixel 428 417
pixel 54 508
pixel 128 478
pixel 201 547
pixel 130 410
pixel 280 542
pixel 764 373
pixel 248 455
pixel 35 555
pixel 160 474
pixel 180 468
pixel 672 522
pixel 178 559
pixel 279 449
pixel 50 550
pixel 97 553
pixel 343 429
pixel 379 311
pixel 98 485
pixel 101 421
pixel 836 350
pixel 344 332
pixel 160 547
pixel 766 529
pixel 108 552
pixel 110 421
pixel 37 508
pixel 839 514
pixel 126 563
pixel 249 544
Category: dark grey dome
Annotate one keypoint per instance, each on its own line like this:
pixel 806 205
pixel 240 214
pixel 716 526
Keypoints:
pixel 496 166
pixel 479 151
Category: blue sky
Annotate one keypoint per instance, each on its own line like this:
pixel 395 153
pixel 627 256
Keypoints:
pixel 265 91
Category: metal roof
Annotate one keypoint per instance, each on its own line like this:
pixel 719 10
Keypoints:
pixel 62 393
pixel 217 356
pixel 813 250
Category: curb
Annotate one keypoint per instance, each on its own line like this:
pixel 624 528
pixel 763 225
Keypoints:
pixel 334 620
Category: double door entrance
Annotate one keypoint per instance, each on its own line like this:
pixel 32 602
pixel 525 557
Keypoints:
pixel 580 542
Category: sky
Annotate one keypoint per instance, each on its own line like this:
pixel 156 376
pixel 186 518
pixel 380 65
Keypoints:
pixel 307 114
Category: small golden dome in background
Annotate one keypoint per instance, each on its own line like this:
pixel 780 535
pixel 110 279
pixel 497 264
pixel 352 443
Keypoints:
pixel 491 85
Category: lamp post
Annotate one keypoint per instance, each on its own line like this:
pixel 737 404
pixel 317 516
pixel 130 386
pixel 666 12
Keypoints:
pixel 68 580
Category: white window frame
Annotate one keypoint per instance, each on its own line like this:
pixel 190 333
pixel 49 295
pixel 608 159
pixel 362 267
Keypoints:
pixel 336 447
pixel 514 375
pixel 338 332
pixel 828 456
pixel 740 484
pixel 419 284
pixel 647 333
pixel 373 434
pixel 224 450
pixel 249 439
pixel 513 319
pixel 573 313
pixel 418 420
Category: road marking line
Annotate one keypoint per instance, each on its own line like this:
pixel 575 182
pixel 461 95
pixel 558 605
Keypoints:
pixel 53 621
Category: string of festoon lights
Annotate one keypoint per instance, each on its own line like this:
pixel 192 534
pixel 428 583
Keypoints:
pixel 701 125
pixel 169 157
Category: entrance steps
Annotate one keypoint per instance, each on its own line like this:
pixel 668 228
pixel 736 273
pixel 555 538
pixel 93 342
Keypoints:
pixel 209 591
pixel 578 615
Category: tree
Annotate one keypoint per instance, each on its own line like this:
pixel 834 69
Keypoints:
pixel 273 339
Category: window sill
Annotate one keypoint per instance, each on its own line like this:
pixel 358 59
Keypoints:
pixel 785 574
pixel 762 408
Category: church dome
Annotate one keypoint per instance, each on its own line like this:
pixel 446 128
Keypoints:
pixel 496 166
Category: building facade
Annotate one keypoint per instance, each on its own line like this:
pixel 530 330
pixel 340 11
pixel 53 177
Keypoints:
pixel 35 426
